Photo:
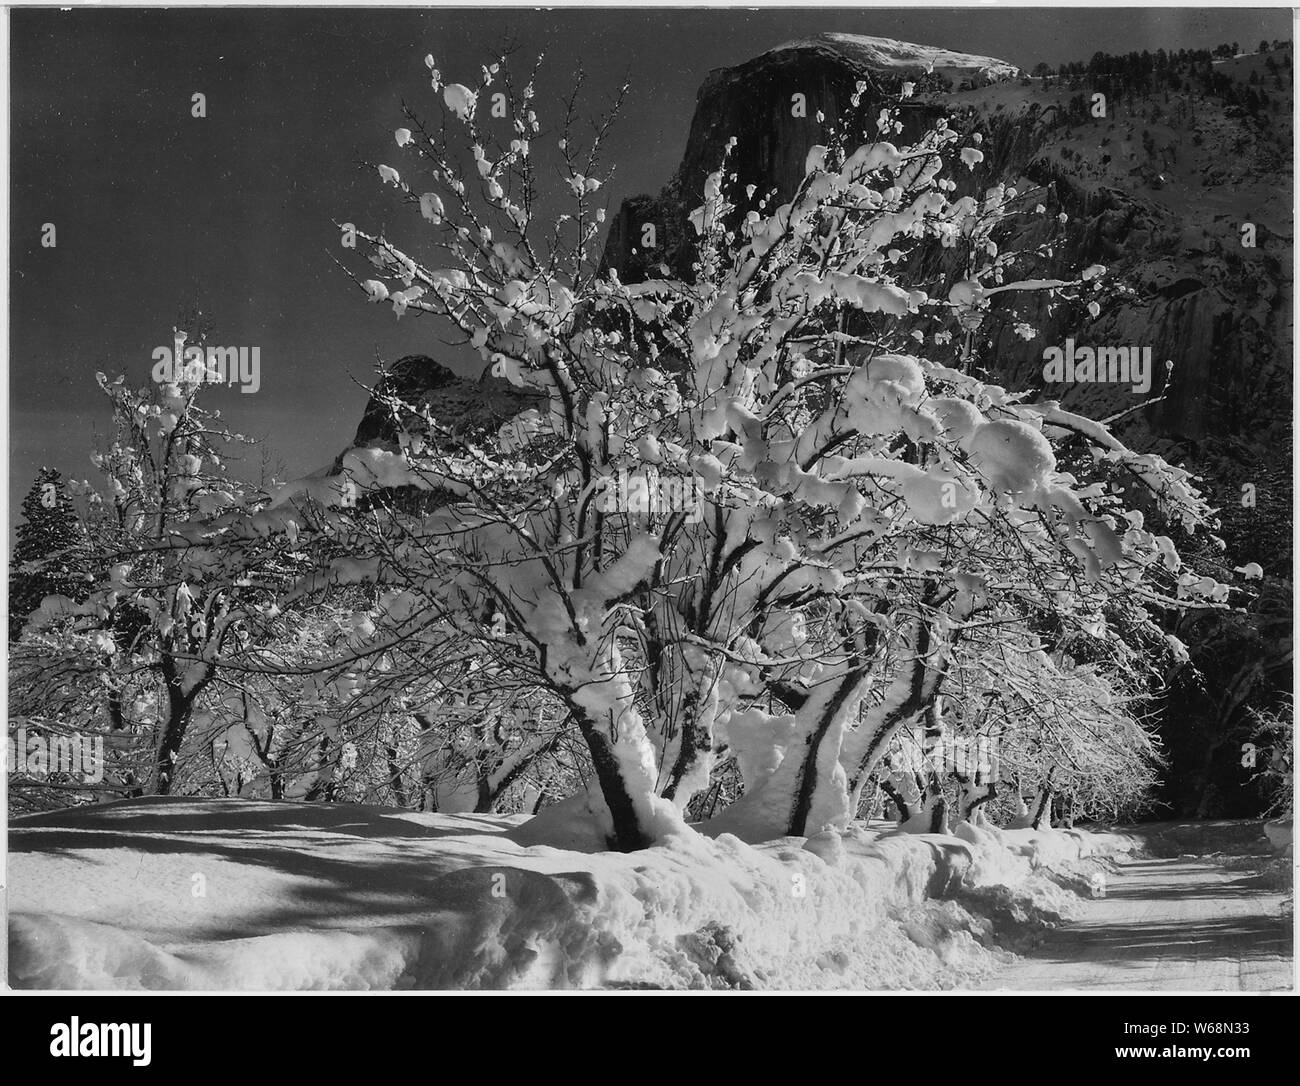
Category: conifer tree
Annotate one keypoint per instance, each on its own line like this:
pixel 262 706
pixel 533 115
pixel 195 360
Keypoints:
pixel 50 555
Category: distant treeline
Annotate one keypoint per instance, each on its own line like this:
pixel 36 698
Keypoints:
pixel 1187 71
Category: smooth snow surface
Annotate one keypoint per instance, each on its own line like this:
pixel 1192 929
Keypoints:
pixel 240 894
pixel 1208 908
pixel 889 55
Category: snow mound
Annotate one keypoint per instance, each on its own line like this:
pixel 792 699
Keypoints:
pixel 906 58
pixel 253 895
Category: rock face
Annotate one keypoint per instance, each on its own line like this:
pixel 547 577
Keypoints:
pixel 1164 214
pixel 463 408
pixel 1218 311
pixel 460 409
pixel 770 104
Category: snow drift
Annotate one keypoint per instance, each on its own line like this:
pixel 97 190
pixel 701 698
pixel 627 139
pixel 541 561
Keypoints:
pixel 221 894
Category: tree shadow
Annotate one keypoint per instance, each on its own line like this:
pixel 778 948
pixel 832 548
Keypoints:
pixel 1165 880
pixel 167 814
pixel 1137 944
pixel 326 866
pixel 1139 931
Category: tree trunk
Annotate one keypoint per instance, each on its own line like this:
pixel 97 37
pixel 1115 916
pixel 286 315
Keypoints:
pixel 179 712
pixel 605 709
pixel 324 787
pixel 808 791
pixel 117 723
pixel 694 749
pixel 483 796
pixel 1043 810
pixel 395 781
pixel 911 691
pixel 830 718
pixel 930 773
pixel 920 783
pixel 262 748
pixel 628 835
pixel 973 800
pixel 901 807
pixel 428 780
pixel 930 817
pixel 180 709
pixel 977 776
pixel 276 774
pixel 1021 819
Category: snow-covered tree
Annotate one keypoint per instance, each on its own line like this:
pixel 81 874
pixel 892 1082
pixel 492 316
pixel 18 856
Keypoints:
pixel 754 518
pixel 329 706
pixel 166 597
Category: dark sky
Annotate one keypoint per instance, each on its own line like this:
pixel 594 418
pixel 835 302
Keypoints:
pixel 153 206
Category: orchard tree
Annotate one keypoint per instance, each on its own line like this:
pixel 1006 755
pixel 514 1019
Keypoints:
pixel 168 595
pixel 1016 723
pixel 749 519
pixel 334 700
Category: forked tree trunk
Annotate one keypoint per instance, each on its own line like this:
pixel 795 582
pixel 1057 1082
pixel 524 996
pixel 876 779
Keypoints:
pixel 605 710
pixel 395 781
pixel 912 690
pixel 974 799
pixel 807 792
pixel 117 724
pixel 904 787
pixel 930 817
pixel 976 773
pixel 922 781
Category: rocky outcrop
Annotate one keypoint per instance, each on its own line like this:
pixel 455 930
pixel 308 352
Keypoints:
pixel 463 409
pixel 1218 311
pixel 776 106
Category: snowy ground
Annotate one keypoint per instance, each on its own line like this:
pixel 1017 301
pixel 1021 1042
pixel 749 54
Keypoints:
pixel 1208 908
pixel 227 894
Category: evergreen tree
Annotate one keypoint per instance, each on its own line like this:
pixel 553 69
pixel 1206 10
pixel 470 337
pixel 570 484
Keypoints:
pixel 50 555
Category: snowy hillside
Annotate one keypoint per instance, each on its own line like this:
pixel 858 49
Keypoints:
pixel 213 894
pixel 903 58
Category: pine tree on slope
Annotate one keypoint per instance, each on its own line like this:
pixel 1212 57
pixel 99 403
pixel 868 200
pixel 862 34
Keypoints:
pixel 51 549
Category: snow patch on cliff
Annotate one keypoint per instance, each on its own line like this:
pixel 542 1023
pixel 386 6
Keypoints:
pixel 903 58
